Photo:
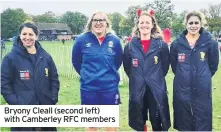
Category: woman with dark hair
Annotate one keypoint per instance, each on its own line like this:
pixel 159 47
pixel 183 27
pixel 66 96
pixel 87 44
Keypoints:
pixel 28 74
pixel 194 59
pixel 146 63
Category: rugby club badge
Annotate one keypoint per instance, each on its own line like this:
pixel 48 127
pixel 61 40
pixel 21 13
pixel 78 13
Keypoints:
pixel 155 59
pixel 46 72
pixel 202 56
pixel 111 44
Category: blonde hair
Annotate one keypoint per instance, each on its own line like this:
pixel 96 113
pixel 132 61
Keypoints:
pixel 198 14
pixel 155 31
pixel 89 24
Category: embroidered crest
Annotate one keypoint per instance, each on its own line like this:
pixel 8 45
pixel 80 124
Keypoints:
pixel 25 75
pixel 46 72
pixel 155 59
pixel 181 57
pixel 111 44
pixel 202 56
pixel 135 62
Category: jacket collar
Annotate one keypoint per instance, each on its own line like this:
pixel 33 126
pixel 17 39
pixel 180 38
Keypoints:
pixel 204 38
pixel 92 34
pixel 20 49
pixel 137 42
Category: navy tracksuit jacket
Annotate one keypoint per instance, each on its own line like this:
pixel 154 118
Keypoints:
pixel 97 64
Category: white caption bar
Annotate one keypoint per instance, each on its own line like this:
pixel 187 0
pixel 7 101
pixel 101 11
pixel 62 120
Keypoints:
pixel 59 116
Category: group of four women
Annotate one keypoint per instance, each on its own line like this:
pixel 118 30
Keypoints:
pixel 29 75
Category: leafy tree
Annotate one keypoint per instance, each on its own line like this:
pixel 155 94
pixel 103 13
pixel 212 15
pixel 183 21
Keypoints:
pixel 47 17
pixel 75 20
pixel 11 20
pixel 125 28
pixel 215 11
pixel 131 14
pixel 177 24
pixel 213 16
pixel 164 12
pixel 115 19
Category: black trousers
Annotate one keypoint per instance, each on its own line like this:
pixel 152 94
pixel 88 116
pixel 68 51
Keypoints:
pixel 150 104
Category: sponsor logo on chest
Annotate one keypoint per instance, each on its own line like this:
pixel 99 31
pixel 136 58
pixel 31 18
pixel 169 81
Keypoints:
pixel 135 62
pixel 25 75
pixel 181 57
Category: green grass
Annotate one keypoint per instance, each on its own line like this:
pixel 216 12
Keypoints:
pixel 2 101
pixel 70 95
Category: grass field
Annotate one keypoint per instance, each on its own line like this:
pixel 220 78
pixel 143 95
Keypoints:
pixel 69 94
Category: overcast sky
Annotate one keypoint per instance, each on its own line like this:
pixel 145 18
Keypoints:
pixel 86 7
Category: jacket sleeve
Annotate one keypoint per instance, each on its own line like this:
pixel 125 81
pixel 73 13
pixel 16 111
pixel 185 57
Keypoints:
pixel 54 82
pixel 127 60
pixel 165 58
pixel 7 82
pixel 213 57
pixel 77 55
pixel 173 57
pixel 119 55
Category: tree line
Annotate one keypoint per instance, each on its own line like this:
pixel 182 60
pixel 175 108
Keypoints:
pixel 11 19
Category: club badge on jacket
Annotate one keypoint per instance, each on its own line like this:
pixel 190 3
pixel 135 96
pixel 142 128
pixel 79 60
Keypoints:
pixel 46 72
pixel 110 45
pixel 155 59
pixel 202 56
